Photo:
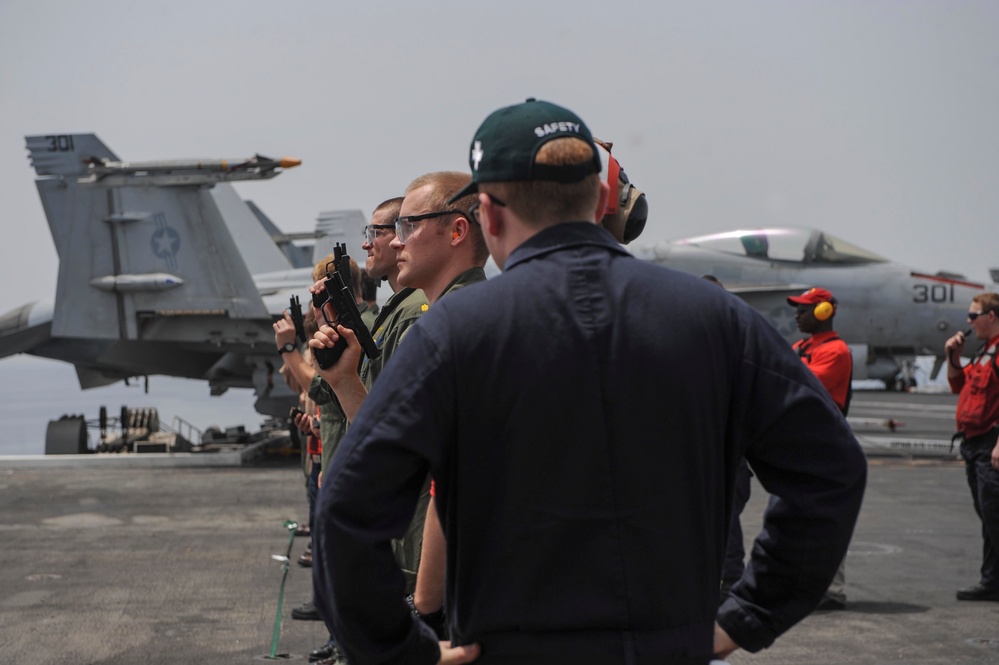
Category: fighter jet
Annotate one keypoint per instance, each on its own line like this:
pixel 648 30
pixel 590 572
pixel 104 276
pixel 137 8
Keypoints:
pixel 888 313
pixel 164 270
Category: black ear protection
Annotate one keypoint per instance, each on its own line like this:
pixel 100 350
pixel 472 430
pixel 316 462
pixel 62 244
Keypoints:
pixel 824 311
pixel 626 214
pixel 633 206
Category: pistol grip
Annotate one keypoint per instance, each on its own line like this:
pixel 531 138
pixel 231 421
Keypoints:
pixel 327 357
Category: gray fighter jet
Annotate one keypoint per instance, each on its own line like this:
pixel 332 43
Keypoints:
pixel 165 270
pixel 888 313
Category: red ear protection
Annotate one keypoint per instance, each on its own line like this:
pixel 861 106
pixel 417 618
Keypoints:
pixel 823 311
pixel 454 235
pixel 613 180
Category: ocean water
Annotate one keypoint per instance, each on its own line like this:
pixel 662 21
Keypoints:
pixel 34 391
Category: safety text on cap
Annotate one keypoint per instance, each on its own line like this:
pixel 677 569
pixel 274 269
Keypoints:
pixel 553 127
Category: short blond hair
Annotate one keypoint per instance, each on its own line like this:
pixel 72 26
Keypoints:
pixel 319 271
pixel 392 206
pixel 442 186
pixel 544 202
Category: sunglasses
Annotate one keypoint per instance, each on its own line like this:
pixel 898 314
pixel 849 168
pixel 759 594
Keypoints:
pixel 974 315
pixel 406 226
pixel 473 210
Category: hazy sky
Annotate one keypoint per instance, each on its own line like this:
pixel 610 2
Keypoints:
pixel 877 121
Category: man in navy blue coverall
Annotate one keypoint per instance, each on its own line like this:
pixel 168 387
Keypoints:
pixel 583 415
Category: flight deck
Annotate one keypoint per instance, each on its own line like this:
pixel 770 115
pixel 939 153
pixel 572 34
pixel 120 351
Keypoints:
pixel 174 565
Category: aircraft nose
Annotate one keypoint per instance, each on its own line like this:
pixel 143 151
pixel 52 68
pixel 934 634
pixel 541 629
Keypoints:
pixel 14 320
pixel 23 329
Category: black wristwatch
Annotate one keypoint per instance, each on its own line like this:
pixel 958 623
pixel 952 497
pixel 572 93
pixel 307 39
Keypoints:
pixel 287 348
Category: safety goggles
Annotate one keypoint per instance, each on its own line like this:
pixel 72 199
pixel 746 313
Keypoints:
pixel 371 231
pixel 406 226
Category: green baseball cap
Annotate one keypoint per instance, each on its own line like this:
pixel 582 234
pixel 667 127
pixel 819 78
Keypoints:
pixel 505 144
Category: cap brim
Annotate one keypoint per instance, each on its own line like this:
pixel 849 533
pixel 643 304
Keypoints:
pixel 797 300
pixel 470 188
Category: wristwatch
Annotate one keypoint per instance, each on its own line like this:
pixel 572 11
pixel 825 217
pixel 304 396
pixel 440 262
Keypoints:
pixel 287 348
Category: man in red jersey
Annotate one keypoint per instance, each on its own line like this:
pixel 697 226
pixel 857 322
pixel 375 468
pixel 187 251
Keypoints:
pixel 829 358
pixel 978 424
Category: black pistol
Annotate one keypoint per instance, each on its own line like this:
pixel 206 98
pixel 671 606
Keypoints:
pixel 338 293
pixel 296 318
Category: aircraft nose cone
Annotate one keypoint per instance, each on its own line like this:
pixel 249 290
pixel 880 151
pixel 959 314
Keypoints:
pixel 22 330
pixel 15 320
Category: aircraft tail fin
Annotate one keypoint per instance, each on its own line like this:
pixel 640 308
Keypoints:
pixel 297 247
pixel 140 261
pixel 339 226
pixel 65 154
pixel 254 241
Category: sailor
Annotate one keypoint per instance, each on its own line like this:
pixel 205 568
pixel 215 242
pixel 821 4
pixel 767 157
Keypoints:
pixel 829 358
pixel 823 351
pixel 978 425
pixel 583 458
pixel 403 308
pixel 438 251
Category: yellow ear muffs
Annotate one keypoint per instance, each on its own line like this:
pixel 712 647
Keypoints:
pixel 823 311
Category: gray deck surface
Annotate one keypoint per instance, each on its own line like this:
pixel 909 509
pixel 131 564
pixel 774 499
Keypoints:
pixel 173 565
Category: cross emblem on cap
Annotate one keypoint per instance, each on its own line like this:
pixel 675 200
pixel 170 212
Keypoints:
pixel 476 155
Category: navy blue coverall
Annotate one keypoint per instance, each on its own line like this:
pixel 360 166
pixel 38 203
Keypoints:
pixel 583 415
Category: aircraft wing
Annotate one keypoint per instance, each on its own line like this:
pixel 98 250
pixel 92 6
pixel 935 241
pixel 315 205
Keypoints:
pixel 769 294
pixel 771 302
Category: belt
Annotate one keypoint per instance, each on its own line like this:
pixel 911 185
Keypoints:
pixel 985 437
pixel 318 459
pixel 959 435
pixel 988 437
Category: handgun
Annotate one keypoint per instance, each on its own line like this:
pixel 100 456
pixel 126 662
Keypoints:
pixel 337 293
pixel 296 318
pixel 321 299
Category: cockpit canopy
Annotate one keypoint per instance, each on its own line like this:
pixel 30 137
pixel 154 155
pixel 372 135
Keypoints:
pixel 786 244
